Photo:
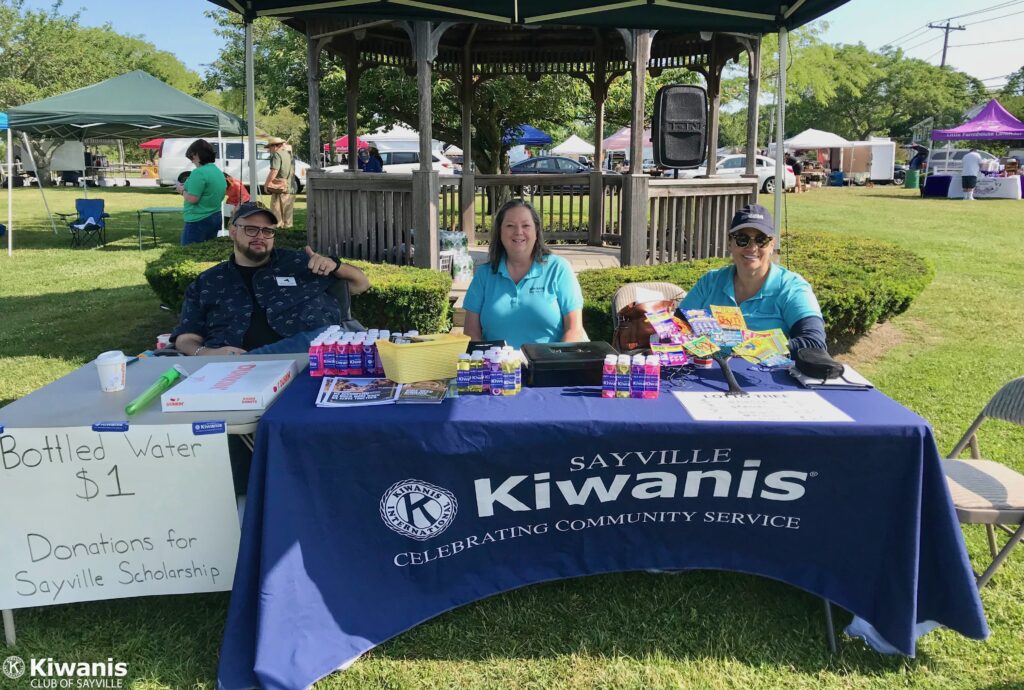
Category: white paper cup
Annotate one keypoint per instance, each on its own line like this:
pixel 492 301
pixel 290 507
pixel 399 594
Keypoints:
pixel 111 366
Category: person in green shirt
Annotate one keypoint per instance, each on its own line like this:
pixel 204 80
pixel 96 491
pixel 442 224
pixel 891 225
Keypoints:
pixel 203 192
pixel 281 181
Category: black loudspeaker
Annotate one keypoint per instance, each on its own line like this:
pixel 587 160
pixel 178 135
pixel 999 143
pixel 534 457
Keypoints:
pixel 680 126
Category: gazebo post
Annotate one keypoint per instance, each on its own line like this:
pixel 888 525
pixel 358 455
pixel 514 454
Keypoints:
pixel 753 46
pixel 467 185
pixel 599 93
pixel 780 137
pixel 714 80
pixel 250 108
pixel 352 103
pixel 313 86
pixel 634 185
pixel 425 181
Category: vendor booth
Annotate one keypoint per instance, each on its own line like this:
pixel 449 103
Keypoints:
pixel 994 122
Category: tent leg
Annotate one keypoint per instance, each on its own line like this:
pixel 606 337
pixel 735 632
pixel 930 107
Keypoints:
pixel 220 157
pixel 10 193
pixel 780 136
pixel 28 150
pixel 250 108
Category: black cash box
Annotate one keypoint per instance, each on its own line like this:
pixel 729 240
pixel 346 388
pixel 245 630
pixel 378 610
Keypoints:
pixel 565 364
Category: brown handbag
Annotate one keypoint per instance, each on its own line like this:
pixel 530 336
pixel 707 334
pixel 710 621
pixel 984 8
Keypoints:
pixel 633 330
pixel 277 184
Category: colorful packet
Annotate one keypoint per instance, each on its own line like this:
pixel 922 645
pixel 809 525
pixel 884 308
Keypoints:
pixel 755 349
pixel 670 355
pixel 775 361
pixel 726 338
pixel 701 347
pixel 664 325
pixel 729 318
pixel 684 328
pixel 779 339
pixel 702 322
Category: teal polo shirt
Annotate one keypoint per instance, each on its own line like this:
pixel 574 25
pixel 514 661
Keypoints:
pixel 530 312
pixel 784 299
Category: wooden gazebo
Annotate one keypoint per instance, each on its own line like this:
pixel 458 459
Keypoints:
pixel 390 217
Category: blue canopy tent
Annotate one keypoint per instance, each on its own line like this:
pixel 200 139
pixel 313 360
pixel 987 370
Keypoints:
pixel 526 135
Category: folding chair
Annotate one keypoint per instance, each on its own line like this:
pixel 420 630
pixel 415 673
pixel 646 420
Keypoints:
pixel 986 492
pixel 89 225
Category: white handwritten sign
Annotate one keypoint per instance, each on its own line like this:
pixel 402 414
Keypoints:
pixel 783 406
pixel 108 512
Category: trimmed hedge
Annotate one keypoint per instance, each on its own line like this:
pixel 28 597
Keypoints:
pixel 400 297
pixel 858 282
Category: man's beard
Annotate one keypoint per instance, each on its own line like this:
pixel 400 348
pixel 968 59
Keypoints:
pixel 256 255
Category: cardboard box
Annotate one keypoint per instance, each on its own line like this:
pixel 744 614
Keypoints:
pixel 237 385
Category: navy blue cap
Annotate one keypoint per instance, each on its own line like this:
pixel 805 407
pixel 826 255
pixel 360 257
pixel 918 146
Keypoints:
pixel 753 216
pixel 250 209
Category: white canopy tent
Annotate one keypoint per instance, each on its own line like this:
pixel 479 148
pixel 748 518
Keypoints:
pixel 816 139
pixel 573 146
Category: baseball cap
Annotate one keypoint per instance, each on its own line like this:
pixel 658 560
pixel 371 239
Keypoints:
pixel 250 209
pixel 753 216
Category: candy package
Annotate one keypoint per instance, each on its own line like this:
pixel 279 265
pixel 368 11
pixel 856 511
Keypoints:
pixel 776 361
pixel 664 325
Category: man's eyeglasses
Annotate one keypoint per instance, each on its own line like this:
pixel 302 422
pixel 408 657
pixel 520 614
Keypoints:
pixel 742 240
pixel 254 230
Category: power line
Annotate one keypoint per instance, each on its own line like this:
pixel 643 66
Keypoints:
pixel 986 43
pixel 930 39
pixel 906 36
pixel 1002 16
pixel 991 8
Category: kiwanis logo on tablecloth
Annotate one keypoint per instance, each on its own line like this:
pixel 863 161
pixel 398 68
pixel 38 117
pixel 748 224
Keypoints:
pixel 416 509
pixel 14 667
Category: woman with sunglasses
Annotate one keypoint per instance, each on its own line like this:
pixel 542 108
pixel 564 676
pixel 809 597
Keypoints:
pixel 769 295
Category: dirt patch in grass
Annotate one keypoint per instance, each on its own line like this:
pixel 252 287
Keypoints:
pixel 870 347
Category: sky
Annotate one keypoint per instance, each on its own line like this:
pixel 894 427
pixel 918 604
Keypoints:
pixel 182 29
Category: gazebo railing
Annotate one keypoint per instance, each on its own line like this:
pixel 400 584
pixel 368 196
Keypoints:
pixel 371 216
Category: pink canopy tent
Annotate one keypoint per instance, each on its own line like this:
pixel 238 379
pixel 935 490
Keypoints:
pixel 993 122
pixel 620 140
pixel 153 144
pixel 342 144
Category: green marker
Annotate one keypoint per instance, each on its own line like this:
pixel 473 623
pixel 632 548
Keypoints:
pixel 166 380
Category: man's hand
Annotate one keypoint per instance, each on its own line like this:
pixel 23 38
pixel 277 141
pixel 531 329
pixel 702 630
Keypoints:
pixel 320 265
pixel 227 350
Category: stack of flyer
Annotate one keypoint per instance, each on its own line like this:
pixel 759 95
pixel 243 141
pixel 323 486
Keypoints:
pixel 238 385
pixel 339 391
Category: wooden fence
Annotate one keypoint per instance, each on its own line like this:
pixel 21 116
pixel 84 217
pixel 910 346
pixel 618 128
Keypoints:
pixel 691 220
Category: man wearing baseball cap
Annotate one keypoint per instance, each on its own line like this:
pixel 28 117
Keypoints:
pixel 280 181
pixel 262 299
pixel 769 295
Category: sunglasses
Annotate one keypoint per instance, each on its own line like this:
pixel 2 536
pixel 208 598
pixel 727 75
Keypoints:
pixel 742 240
pixel 254 230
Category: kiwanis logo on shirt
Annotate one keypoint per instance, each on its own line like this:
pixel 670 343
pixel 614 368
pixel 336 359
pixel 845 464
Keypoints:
pixel 416 509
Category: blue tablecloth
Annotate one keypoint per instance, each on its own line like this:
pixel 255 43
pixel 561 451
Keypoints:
pixel 362 523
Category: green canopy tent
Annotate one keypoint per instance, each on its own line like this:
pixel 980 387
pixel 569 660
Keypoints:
pixel 135 105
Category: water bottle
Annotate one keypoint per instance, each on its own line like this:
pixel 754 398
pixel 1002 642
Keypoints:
pixel 622 376
pixel 608 377
pixel 637 377
pixel 328 358
pixel 476 371
pixel 316 358
pixel 462 374
pixel 495 374
pixel 653 377
pixel 355 356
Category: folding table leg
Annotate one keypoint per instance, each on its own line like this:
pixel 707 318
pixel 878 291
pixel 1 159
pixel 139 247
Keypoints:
pixel 991 570
pixel 830 630
pixel 8 617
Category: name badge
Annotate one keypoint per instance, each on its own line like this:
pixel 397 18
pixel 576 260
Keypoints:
pixel 286 281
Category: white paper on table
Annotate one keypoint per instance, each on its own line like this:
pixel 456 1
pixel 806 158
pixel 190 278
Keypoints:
pixel 782 406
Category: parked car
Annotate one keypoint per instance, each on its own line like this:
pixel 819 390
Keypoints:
pixel 951 161
pixel 405 162
pixel 235 160
pixel 551 165
pixel 899 173
pixel 736 165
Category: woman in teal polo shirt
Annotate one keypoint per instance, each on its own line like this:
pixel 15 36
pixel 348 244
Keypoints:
pixel 524 294
pixel 768 295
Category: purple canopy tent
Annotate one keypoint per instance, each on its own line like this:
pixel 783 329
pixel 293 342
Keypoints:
pixel 993 122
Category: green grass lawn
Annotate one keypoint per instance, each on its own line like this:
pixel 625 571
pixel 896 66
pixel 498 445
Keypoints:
pixel 943 359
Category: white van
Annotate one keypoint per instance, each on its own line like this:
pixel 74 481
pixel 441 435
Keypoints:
pixel 232 158
pixel 405 158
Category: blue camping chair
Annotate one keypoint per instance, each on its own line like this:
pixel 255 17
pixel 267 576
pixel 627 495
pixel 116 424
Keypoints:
pixel 90 223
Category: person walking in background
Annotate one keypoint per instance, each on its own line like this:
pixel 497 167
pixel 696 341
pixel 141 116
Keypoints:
pixel 203 192
pixel 798 169
pixel 374 163
pixel 236 194
pixel 969 175
pixel 280 183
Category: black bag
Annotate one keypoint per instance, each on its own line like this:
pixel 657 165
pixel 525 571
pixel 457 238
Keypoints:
pixel 818 364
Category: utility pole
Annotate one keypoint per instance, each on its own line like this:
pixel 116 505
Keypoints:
pixel 945 40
